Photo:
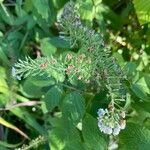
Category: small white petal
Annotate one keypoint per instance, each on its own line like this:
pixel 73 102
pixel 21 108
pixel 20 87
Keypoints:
pixel 108 130
pixel 18 77
pixel 104 129
pixel 106 110
pixel 100 124
pixel 13 72
pixel 116 130
pixel 101 112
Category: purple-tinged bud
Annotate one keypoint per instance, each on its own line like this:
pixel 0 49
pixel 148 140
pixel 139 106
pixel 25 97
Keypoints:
pixel 122 124
pixel 122 114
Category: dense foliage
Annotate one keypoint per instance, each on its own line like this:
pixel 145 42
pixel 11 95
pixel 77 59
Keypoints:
pixel 74 75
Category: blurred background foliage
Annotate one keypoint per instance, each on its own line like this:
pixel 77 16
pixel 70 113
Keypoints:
pixel 30 28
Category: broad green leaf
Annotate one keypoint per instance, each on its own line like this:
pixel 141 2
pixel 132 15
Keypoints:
pixel 139 92
pixel 42 7
pixel 18 9
pixel 119 58
pixel 3 57
pixel 91 134
pixel 31 90
pixel 47 16
pixel 28 119
pixel 21 20
pixel 142 8
pixel 74 145
pixel 47 48
pixel 134 137
pixel 60 42
pixel 1 1
pixel 87 10
pixel 28 5
pixel 3 82
pixel 6 15
pixel 131 67
pixel 73 106
pixel 141 114
pixel 143 84
pixel 64 136
pixel 144 106
pixel 96 2
pixel 31 22
pixel 3 86
pixel 52 98
pixel 42 81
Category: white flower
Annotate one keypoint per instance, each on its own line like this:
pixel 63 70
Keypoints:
pixel 110 122
pixel 116 130
pixel 108 130
pixel 101 112
pixel 104 128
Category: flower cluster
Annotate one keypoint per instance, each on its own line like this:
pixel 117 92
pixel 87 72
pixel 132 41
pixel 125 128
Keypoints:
pixel 106 72
pixel 110 122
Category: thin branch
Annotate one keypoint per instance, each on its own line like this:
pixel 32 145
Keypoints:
pixel 29 103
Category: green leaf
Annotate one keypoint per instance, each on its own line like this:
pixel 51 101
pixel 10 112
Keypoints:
pixel 42 81
pixel 143 84
pixel 73 106
pixel 6 15
pixel 60 42
pixel 28 5
pixel 142 8
pixel 90 128
pixel 18 9
pixel 134 137
pixel 1 1
pixel 73 145
pixel 42 7
pixel 52 98
pixel 64 136
pixel 28 119
pixel 47 48
pixel 31 90
pixel 139 92
pixel 96 2
pixel 31 22
pixel 144 106
pixel 87 10
pixel 3 57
